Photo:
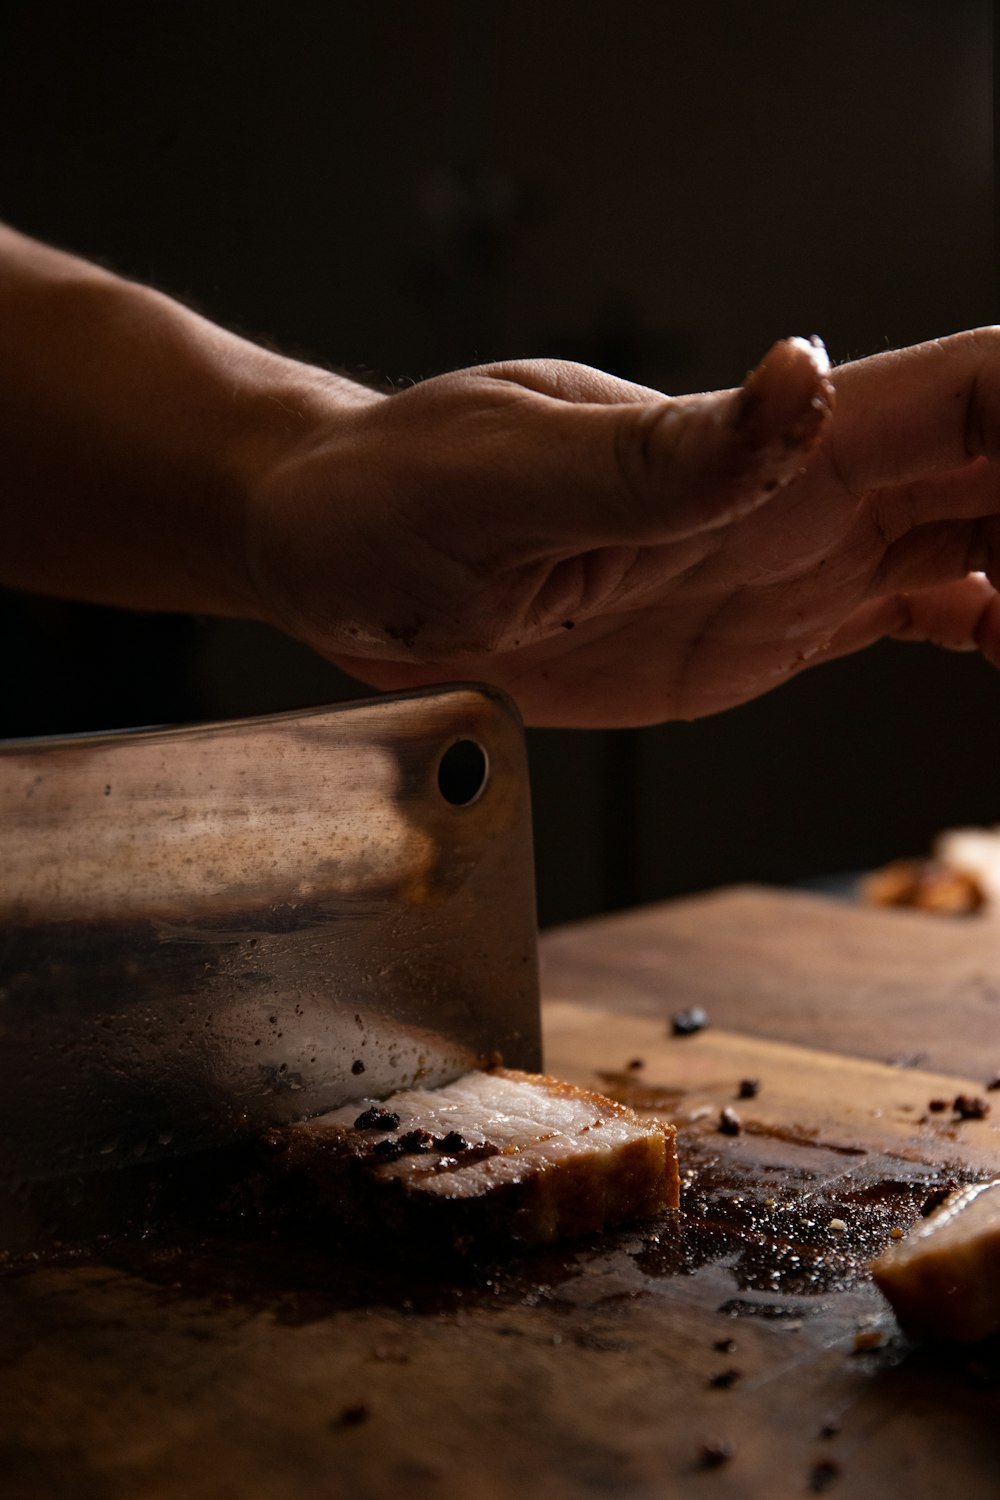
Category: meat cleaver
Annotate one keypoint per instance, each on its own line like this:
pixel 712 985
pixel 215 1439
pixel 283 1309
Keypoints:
pixel 210 930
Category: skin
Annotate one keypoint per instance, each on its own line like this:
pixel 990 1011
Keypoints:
pixel 608 555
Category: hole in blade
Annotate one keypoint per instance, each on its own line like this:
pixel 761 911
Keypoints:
pixel 463 772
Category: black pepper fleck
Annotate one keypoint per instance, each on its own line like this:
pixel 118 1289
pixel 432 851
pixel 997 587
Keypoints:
pixel 451 1143
pixel 387 1149
pixel 687 1022
pixel 823 1474
pixel 749 1088
pixel 970 1107
pixel 357 1066
pixel 730 1122
pixel 376 1119
pixel 715 1453
pixel 351 1416
pixel 415 1141
pixel 937 1106
pixel 724 1380
pixel 725 1346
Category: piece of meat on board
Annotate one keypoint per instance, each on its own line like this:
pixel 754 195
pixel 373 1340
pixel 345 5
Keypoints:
pixel 943 1279
pixel 499 1156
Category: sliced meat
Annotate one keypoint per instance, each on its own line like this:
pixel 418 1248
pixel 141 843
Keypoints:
pixel 943 1279
pixel 501 1155
pixel 928 884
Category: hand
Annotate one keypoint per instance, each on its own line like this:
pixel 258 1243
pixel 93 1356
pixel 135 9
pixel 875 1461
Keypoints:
pixel 610 556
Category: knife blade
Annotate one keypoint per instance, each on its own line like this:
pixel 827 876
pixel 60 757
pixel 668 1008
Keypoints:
pixel 209 930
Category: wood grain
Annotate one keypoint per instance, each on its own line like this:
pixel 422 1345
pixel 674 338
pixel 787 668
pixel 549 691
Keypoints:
pixel 886 984
pixel 258 1369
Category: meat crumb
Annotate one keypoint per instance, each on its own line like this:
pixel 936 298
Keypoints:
pixel 867 1338
pixel 749 1088
pixel 714 1453
pixel 895 1233
pixel 724 1380
pixel 837 1226
pixel 823 1474
pixel 376 1119
pixel 970 1107
pixel 687 1022
pixel 730 1122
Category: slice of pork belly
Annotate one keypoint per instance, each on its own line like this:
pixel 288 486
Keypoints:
pixel 943 1279
pixel 495 1155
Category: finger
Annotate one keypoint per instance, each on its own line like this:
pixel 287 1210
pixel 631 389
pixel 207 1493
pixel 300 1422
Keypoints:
pixel 653 470
pixel 917 412
pixel 940 552
pixel 960 616
pixel 961 494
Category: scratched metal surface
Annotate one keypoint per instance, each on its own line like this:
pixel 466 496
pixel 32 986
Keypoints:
pixel 210 930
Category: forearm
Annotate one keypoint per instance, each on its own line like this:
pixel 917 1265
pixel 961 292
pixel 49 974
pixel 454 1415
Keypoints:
pixel 130 433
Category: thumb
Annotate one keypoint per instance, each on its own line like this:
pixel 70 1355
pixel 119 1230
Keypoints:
pixel 659 468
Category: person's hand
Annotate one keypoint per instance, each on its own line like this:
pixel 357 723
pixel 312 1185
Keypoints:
pixel 613 557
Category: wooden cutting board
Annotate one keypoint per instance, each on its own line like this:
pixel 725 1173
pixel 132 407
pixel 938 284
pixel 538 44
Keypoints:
pixel 204 1370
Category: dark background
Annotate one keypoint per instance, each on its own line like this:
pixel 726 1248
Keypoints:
pixel 658 188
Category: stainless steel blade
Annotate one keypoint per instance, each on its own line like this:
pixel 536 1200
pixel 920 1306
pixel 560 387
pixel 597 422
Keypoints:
pixel 211 930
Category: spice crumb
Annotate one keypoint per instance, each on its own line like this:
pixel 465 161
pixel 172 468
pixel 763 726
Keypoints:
pixel 715 1453
pixel 730 1122
pixel 387 1150
pixel 415 1142
pixel 937 1106
pixel 823 1474
pixel 376 1119
pixel 452 1142
pixel 867 1338
pixel 635 1064
pixel 749 1088
pixel 970 1107
pixel 895 1233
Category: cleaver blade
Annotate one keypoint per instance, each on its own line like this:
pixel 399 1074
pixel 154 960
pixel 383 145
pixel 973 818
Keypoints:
pixel 211 930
